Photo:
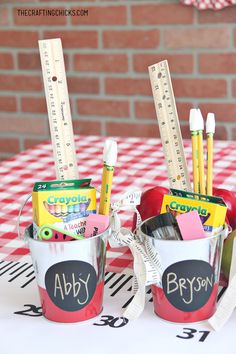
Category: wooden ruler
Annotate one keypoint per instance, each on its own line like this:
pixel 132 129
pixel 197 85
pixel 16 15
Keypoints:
pixel 58 106
pixel 167 117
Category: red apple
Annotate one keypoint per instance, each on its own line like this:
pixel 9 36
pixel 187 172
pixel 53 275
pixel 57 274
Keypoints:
pixel 151 201
pixel 230 200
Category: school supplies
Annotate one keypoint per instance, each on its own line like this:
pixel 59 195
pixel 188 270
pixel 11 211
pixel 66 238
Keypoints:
pixel 196 124
pixel 109 158
pixel 194 127
pixel 96 224
pixel 170 132
pixel 200 153
pixel 58 106
pixel 210 130
pixel 63 205
pixel 190 226
pixel 212 210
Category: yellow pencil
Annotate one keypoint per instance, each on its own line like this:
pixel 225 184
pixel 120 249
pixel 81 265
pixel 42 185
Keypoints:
pixel 210 130
pixel 193 120
pixel 109 157
pixel 201 154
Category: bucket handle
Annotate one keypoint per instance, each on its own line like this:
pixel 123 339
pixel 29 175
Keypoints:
pixel 24 236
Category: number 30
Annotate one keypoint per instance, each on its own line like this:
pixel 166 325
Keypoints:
pixel 113 322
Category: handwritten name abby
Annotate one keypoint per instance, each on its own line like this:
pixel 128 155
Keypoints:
pixel 188 287
pixel 78 288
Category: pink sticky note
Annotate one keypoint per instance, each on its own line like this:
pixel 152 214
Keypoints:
pixel 96 224
pixel 190 226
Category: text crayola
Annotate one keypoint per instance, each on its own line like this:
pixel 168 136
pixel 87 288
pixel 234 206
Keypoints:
pixel 66 200
pixel 186 208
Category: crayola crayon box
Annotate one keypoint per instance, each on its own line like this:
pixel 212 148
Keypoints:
pixel 63 205
pixel 212 210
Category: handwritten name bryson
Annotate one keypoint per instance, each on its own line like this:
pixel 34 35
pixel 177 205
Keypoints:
pixel 186 288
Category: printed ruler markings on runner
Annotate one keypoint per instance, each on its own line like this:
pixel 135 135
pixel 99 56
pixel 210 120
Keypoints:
pixel 6 270
pixel 131 298
pixel 28 275
pixel 170 132
pixel 117 281
pixel 58 106
pixel 128 302
pixel 17 275
pixel 9 270
pixel 15 270
pixel 126 280
pixel 5 265
pixel 28 282
pixel 121 285
pixel 110 277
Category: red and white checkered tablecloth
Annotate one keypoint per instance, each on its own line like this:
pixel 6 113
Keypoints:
pixel 140 164
pixel 209 4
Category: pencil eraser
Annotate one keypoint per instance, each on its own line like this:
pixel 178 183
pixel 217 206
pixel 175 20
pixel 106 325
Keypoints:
pixel 190 226
pixel 210 123
pixel 96 224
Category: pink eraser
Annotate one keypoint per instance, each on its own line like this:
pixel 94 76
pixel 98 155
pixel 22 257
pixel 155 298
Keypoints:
pixel 190 226
pixel 96 224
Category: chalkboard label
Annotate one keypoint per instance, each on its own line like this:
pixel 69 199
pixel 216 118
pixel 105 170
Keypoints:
pixel 188 284
pixel 71 284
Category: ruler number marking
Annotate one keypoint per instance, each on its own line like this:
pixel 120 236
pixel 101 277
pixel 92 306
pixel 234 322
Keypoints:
pixel 168 123
pixel 58 108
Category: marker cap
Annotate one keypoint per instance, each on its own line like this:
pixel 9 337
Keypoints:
pixel 210 123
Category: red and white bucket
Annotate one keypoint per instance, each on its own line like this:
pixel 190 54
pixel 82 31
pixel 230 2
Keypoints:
pixel 190 272
pixel 70 277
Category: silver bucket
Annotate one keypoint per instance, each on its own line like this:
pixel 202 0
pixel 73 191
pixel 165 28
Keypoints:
pixel 190 272
pixel 70 276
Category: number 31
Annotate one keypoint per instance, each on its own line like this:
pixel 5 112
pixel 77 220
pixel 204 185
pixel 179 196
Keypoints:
pixel 190 332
